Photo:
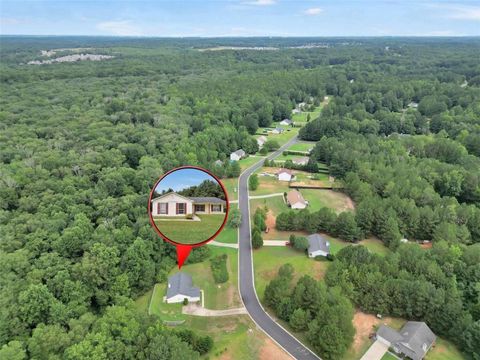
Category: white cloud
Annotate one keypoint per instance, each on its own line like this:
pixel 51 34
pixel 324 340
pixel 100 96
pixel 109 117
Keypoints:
pixel 260 2
pixel 120 28
pixel 459 11
pixel 313 11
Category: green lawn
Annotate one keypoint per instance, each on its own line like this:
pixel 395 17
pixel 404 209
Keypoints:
pixel 302 146
pixel 268 260
pixel 190 232
pixel 269 185
pixel 275 204
pixel 318 198
pixel 444 350
pixel 248 161
pixel 375 246
pixel 228 234
pixel 231 185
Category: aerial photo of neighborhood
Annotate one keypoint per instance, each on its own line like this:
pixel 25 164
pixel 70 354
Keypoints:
pixel 240 180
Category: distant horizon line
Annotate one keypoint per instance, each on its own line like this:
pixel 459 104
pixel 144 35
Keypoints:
pixel 243 36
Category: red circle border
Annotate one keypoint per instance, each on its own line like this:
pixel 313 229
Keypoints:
pixel 158 230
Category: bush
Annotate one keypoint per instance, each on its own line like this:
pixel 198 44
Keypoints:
pixel 259 219
pixel 235 218
pixel 257 240
pixel 185 301
pixel 219 268
pixel 189 216
pixel 253 182
pixel 300 243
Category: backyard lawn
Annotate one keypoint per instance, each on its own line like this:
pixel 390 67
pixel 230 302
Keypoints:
pixel 268 260
pixel 189 231
pixel 302 117
pixel 249 161
pixel 269 185
pixel 444 350
pixel 302 146
pixel 275 204
pixel 335 200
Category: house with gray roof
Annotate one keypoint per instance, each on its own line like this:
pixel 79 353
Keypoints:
pixel 237 155
pixel 413 340
pixel 317 245
pixel 180 287
pixel 286 122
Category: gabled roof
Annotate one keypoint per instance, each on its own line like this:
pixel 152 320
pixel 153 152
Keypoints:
pixel 181 284
pixel 288 171
pixel 300 160
pixel 218 162
pixel 207 199
pixel 294 196
pixel 413 340
pixel 172 193
pixel 287 121
pixel 239 152
pixel 317 242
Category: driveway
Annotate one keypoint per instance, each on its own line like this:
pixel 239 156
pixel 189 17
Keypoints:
pixel 245 272
pixel 376 351
pixel 194 309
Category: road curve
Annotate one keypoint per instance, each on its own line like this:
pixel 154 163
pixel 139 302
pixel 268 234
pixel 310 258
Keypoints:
pixel 245 272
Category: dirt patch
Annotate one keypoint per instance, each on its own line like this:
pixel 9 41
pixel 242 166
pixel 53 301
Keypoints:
pixel 426 245
pixel 349 204
pixel 364 326
pixel 270 220
pixel 320 270
pixel 270 350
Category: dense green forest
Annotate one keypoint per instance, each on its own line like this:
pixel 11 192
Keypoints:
pixel 81 145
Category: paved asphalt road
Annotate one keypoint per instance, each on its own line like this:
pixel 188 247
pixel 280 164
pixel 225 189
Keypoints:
pixel 247 289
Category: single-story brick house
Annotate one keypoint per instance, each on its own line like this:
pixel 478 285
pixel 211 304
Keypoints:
pixel 173 204
pixel 413 340
pixel 317 246
pixel 237 155
pixel 295 200
pixel 180 287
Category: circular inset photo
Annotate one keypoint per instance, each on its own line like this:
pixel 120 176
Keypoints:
pixel 188 206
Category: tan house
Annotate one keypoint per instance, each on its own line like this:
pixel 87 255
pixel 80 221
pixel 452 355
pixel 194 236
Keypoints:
pixel 295 200
pixel 173 204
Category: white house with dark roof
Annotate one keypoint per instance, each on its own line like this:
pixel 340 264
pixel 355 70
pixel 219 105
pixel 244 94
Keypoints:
pixel 277 130
pixel 317 246
pixel 173 204
pixel 237 155
pixel 180 287
pixel 286 122
pixel 218 162
pixel 413 340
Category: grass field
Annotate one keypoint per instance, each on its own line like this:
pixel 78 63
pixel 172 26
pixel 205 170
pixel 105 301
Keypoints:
pixel 302 146
pixel 375 246
pixel 268 260
pixel 275 204
pixel 228 234
pixel 231 185
pixel 302 117
pixel 249 161
pixel 388 356
pixel 444 350
pixel 190 232
pixel 335 200
pixel 269 185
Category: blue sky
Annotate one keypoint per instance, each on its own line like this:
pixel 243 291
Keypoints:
pixel 182 179
pixel 241 18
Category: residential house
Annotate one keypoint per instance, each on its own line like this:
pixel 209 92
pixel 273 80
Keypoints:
pixel 317 246
pixel 285 175
pixel 296 111
pixel 413 340
pixel 286 122
pixel 277 130
pixel 180 287
pixel 413 105
pixel 261 140
pixel 295 200
pixel 237 155
pixel 173 204
pixel 218 162
pixel 301 160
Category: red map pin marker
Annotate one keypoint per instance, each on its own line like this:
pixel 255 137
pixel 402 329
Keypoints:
pixel 182 254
